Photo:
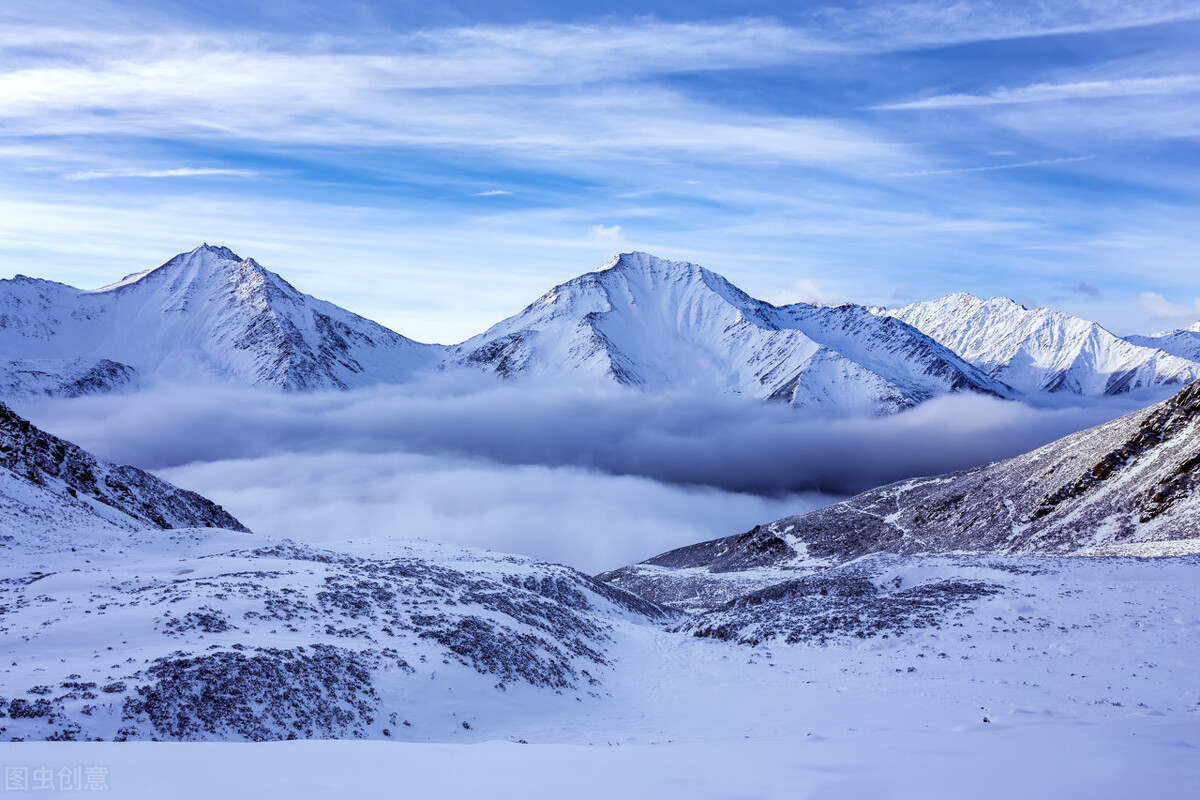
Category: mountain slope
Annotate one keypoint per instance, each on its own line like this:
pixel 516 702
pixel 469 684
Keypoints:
pixel 645 322
pixel 48 485
pixel 204 314
pixel 1131 485
pixel 1184 343
pixel 1042 350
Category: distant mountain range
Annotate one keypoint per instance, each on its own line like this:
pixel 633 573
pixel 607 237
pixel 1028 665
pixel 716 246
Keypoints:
pixel 1043 350
pixel 639 321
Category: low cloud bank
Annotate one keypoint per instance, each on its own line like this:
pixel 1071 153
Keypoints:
pixel 591 478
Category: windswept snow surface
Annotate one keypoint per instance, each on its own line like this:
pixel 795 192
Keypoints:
pixel 1043 350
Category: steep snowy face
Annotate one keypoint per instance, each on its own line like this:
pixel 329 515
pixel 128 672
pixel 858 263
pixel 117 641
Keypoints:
pixel 204 314
pixel 1130 486
pixel 1042 350
pixel 49 486
pixel 645 322
pixel 1184 343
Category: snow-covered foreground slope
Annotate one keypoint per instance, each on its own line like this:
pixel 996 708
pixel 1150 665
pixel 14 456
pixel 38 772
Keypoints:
pixel 1077 676
pixel 1043 350
pixel 205 314
pixel 1184 343
pixel 645 322
pixel 202 634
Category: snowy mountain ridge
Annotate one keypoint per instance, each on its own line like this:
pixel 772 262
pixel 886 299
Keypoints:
pixel 1043 350
pixel 58 485
pixel 640 322
pixel 1184 342
pixel 651 323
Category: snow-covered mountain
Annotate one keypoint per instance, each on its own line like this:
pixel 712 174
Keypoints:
pixel 645 322
pixel 204 314
pixel 1129 486
pixel 639 322
pixel 1042 350
pixel 1184 343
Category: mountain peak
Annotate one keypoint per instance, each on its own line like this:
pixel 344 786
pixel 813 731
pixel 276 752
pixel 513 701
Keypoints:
pixel 197 261
pixel 975 301
pixel 219 251
pixel 645 263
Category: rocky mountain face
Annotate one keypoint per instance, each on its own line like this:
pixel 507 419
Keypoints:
pixel 1043 350
pixel 645 322
pixel 1128 486
pixel 206 314
pixel 47 478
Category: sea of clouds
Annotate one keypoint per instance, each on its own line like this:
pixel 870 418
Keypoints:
pixel 592 478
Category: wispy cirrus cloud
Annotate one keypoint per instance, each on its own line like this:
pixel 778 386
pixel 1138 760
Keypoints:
pixel 1048 92
pixel 938 23
pixel 247 91
pixel 1020 165
pixel 177 172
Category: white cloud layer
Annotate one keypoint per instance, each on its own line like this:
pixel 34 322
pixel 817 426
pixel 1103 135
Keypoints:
pixel 1049 92
pixel 590 478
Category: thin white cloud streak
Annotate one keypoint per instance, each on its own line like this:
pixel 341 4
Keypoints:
pixel 200 101
pixel 479 56
pixel 1092 123
pixel 179 172
pixel 897 26
pixel 1023 165
pixel 543 52
pixel 1050 92
pixel 492 193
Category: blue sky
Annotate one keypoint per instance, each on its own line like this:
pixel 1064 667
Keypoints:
pixel 436 166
